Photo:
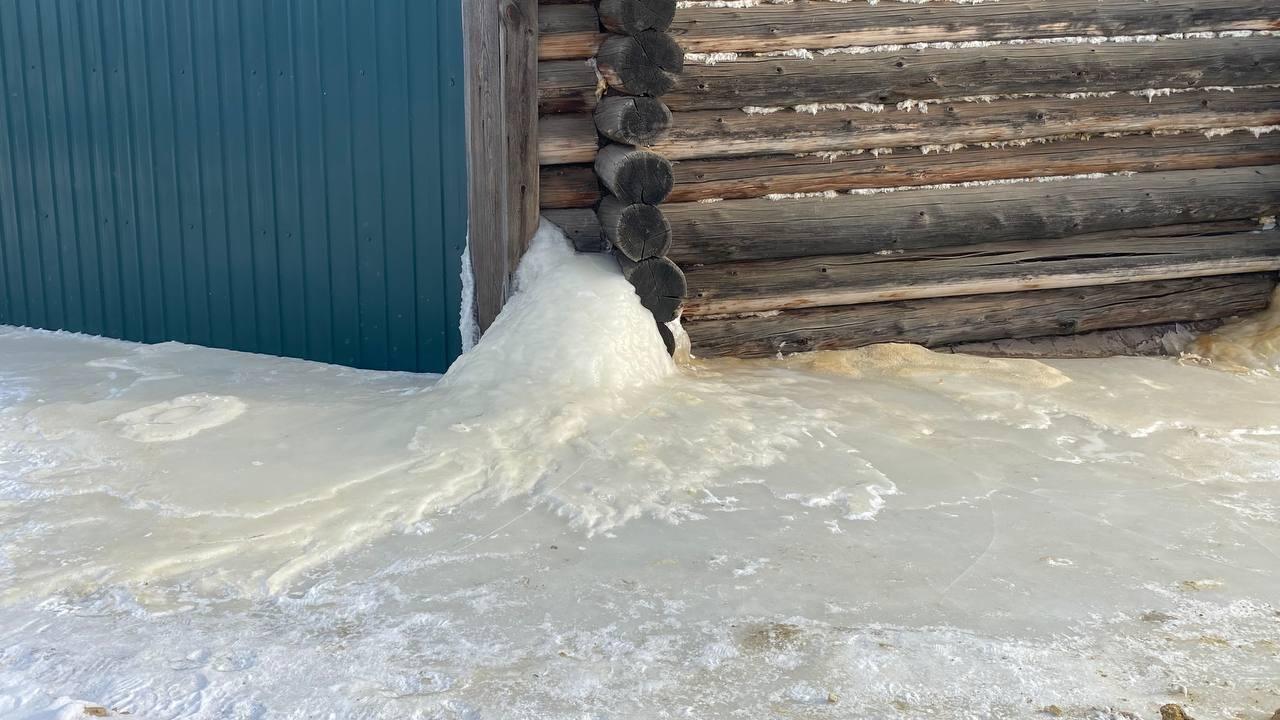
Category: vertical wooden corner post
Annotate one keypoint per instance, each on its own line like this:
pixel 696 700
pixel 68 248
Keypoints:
pixel 501 51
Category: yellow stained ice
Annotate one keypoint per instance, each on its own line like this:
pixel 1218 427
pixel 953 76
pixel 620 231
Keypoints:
pixel 1247 345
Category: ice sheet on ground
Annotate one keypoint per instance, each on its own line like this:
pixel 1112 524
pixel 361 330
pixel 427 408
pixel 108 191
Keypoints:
pixel 568 525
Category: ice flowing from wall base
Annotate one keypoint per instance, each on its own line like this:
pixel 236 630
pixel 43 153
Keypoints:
pixel 1248 345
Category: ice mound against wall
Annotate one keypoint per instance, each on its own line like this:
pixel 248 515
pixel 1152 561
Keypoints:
pixel 512 416
pixel 572 324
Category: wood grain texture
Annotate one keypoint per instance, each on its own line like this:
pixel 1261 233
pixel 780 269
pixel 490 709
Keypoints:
pixel 947 321
pixel 817 25
pixel 913 219
pixel 983 268
pixel 636 230
pixel 502 117
pixel 632 17
pixel 568 86
pixel 632 120
pixel 635 175
pixel 565 186
pixel 1145 341
pixel 930 73
pixel 933 73
pixel 648 63
pixel 567 32
pixel 659 283
pixel 734 133
pixel 520 106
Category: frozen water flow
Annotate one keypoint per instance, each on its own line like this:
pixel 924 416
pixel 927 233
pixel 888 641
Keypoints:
pixel 567 524
pixel 1249 345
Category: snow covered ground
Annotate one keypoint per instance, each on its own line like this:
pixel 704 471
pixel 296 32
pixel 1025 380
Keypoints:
pixel 569 525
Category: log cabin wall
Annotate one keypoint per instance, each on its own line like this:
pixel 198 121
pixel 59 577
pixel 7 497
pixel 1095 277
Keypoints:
pixel 824 174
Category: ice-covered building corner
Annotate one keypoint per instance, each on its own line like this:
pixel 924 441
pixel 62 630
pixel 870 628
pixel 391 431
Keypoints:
pixel 572 323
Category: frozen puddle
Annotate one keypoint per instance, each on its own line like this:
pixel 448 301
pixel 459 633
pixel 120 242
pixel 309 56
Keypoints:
pixel 568 525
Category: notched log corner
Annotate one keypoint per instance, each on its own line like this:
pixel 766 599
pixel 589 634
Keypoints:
pixel 645 64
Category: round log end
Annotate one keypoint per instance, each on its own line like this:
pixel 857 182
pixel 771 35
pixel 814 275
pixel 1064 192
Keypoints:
pixel 643 64
pixel 633 120
pixel 635 230
pixel 636 176
pixel 660 285
pixel 631 17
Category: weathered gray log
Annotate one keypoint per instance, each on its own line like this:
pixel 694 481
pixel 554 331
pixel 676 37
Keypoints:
pixel 632 120
pixel 636 230
pixel 569 186
pixel 728 133
pixel 502 143
pixel 753 177
pixel 814 25
pixel 1169 339
pixel 659 283
pixel 978 318
pixel 632 17
pixel 890 222
pixel 568 86
pixel 643 64
pixel 566 138
pixel 582 228
pixel 1111 258
pixel 568 31
pixel 887 78
pixel 637 176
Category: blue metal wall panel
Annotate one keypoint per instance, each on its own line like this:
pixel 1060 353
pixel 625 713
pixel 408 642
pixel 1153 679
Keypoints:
pixel 276 176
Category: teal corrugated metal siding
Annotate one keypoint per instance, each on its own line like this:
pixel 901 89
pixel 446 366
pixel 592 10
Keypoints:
pixel 277 176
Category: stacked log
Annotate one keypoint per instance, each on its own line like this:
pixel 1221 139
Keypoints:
pixel 638 61
pixel 1024 170
pixel 941 322
pixel 571 29
pixel 927 72
pixel 744 178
